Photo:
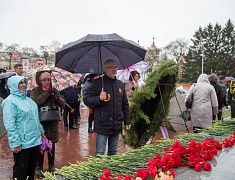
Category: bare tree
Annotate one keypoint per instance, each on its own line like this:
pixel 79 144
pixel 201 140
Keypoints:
pixel 44 51
pixel 26 51
pixel 152 58
pixel 176 48
pixel 1 45
pixel 54 46
pixel 12 49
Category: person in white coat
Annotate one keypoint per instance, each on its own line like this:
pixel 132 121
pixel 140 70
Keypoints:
pixel 204 105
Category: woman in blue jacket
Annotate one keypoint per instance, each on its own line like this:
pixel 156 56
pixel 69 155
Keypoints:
pixel 20 117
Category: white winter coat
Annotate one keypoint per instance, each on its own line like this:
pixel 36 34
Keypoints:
pixel 204 102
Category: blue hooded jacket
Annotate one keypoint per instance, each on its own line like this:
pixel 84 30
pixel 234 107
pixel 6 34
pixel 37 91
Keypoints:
pixel 20 117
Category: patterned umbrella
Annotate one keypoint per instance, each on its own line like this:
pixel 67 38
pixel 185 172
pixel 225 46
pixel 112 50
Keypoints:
pixel 61 79
pixel 141 67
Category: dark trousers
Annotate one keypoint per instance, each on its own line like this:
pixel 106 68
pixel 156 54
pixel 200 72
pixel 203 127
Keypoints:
pixel 67 112
pixel 90 120
pixel 77 111
pixel 50 155
pixel 219 116
pixel 232 109
pixel 25 163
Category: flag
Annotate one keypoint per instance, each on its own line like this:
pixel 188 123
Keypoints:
pixel 164 132
pixel 15 56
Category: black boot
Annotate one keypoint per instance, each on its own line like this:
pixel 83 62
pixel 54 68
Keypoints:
pixel 51 168
pixel 39 166
pixel 90 120
pixel 39 172
pixel 51 158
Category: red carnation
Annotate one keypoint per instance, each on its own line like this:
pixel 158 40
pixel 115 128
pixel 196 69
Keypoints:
pixel 158 156
pixel 152 172
pixel 207 167
pixel 106 172
pixel 128 177
pixel 198 167
pixel 172 172
pixel 142 173
pixel 218 145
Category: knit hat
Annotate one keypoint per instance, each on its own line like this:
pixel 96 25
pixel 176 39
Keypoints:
pixel 45 75
pixel 39 77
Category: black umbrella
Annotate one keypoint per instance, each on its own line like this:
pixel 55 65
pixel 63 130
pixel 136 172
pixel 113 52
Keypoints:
pixel 89 53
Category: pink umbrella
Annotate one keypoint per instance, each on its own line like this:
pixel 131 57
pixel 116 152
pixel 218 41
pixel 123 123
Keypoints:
pixel 61 79
pixel 141 67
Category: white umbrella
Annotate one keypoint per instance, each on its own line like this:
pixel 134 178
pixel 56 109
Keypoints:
pixel 141 67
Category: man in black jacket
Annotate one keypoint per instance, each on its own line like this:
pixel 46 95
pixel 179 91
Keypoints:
pixel 111 108
pixel 213 78
pixel 70 96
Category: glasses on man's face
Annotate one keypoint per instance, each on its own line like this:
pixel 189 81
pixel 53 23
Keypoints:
pixel 111 67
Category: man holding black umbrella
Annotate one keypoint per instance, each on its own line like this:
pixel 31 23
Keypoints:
pixel 111 108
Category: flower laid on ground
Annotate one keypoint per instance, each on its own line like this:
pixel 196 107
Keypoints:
pixel 194 155
pixel 141 174
pixel 229 142
pixel 125 165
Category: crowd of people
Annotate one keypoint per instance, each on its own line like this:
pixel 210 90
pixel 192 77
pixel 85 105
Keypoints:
pixel 26 125
pixel 33 114
pixel 211 94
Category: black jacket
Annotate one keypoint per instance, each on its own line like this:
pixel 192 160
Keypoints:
pixel 219 94
pixel 71 94
pixel 108 115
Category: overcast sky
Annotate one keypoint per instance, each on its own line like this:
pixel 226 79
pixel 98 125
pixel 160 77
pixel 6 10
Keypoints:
pixel 32 23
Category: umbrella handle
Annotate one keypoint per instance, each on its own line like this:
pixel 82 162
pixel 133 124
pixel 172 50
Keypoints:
pixel 108 98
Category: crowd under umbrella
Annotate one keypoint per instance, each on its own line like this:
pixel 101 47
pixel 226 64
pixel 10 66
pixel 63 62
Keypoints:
pixel 88 54
pixel 61 79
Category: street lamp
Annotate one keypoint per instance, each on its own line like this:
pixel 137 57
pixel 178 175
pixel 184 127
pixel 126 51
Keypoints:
pixel 202 54
pixel 201 46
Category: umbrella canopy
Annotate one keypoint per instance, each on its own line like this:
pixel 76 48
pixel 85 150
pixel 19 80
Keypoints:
pixel 61 79
pixel 141 67
pixel 88 54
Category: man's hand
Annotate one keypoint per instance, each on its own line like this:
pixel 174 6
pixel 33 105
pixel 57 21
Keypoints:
pixel 103 95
